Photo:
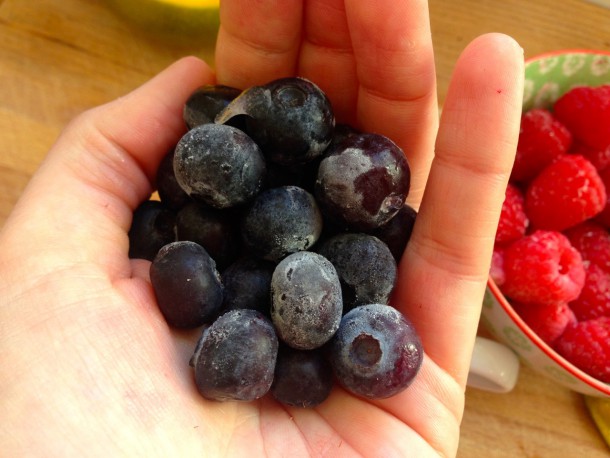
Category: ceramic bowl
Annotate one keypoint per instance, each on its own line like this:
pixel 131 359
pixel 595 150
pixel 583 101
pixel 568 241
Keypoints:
pixel 547 77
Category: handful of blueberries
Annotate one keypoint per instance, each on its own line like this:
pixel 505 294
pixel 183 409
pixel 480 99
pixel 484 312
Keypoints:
pixel 278 233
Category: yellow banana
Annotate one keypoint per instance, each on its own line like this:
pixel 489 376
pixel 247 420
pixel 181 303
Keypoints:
pixel 173 17
pixel 599 408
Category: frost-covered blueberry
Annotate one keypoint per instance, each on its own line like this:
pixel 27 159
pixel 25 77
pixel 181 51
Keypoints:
pixel 291 119
pixel 365 266
pixel 235 357
pixel 376 353
pixel 306 304
pixel 219 165
pixel 281 221
pixel 204 104
pixel 362 181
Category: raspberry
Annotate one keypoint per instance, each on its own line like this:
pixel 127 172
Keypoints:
pixel 567 192
pixel 547 320
pixel 587 345
pixel 585 111
pixel 600 158
pixel 541 139
pixel 496 272
pixel 592 241
pixel 594 299
pixel 513 220
pixel 603 217
pixel 543 267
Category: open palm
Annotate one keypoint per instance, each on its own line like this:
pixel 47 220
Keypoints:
pixel 90 368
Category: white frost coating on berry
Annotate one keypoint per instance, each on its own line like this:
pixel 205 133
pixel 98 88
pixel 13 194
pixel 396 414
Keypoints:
pixel 306 300
pixel 337 174
pixel 281 221
pixel 219 165
pixel 363 181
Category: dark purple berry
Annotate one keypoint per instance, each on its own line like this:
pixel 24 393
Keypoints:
pixel 186 284
pixel 365 266
pixel 363 181
pixel 281 221
pixel 291 119
pixel 306 304
pixel 219 165
pixel 235 357
pixel 341 132
pixel 303 378
pixel 206 102
pixel 215 230
pixel 170 192
pixel 247 285
pixel 397 232
pixel 151 228
pixel 376 353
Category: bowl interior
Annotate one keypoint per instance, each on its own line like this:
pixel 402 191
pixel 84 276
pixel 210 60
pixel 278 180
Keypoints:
pixel 547 77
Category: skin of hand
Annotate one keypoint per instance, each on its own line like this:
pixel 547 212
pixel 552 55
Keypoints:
pixel 89 367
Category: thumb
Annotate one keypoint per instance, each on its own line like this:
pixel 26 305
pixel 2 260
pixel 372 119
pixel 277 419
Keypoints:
pixel 77 208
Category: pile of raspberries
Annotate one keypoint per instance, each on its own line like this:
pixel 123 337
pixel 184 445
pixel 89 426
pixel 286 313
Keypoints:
pixel 552 246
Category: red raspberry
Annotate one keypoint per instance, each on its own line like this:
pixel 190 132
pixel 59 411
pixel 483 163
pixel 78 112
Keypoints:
pixel 541 139
pixel 567 192
pixel 547 320
pixel 513 220
pixel 587 345
pixel 543 267
pixel 594 299
pixel 592 241
pixel 585 111
pixel 600 158
pixel 496 272
pixel 603 217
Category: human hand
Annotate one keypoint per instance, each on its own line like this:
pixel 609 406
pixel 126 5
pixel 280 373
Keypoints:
pixel 89 365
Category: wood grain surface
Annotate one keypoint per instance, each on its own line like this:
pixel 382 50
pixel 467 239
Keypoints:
pixel 58 58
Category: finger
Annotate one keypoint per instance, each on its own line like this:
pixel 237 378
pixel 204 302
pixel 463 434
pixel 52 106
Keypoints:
pixel 257 41
pixel 397 84
pixel 445 267
pixel 327 56
pixel 100 168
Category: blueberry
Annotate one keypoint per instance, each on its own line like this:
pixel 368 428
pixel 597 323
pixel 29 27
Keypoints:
pixel 363 181
pixel 306 304
pixel 219 165
pixel 396 233
pixel 365 266
pixel 281 221
pixel 376 353
pixel 291 119
pixel 170 192
pixel 303 378
pixel 215 230
pixel 247 285
pixel 204 104
pixel 235 357
pixel 186 284
pixel 152 227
